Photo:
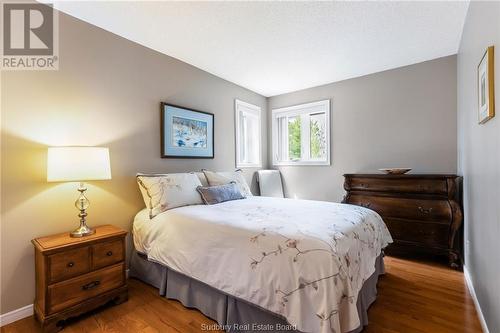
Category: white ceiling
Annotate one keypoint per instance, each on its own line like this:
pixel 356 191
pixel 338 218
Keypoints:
pixel 278 47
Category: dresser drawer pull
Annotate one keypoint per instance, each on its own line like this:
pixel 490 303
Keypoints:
pixel 425 211
pixel 109 253
pixel 91 285
pixel 366 205
pixel 71 264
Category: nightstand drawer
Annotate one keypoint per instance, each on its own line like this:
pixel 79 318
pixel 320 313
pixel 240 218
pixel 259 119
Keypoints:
pixel 108 253
pixel 68 264
pixel 67 293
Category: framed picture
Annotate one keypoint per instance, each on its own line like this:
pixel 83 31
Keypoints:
pixel 486 88
pixel 186 133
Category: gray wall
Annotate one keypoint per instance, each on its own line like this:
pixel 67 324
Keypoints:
pixel 404 117
pixel 107 92
pixel 479 160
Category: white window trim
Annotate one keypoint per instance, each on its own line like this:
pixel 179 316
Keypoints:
pixel 323 106
pixel 258 111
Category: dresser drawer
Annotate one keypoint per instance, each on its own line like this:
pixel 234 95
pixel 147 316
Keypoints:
pixel 424 233
pixel 68 264
pixel 417 209
pixel 64 294
pixel 108 253
pixel 400 185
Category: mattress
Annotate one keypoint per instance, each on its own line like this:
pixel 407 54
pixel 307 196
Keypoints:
pixel 305 261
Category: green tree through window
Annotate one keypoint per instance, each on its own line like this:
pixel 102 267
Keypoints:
pixel 301 134
pixel 317 136
pixel 294 138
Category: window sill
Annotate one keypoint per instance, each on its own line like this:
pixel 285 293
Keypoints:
pixel 242 166
pixel 303 163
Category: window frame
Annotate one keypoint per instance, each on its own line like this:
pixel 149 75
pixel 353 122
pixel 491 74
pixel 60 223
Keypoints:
pixel 300 109
pixel 254 110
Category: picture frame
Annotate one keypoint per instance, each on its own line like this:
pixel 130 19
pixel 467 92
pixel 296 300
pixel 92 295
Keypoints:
pixel 186 132
pixel 486 86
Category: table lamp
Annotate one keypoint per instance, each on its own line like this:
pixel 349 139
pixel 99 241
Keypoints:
pixel 76 164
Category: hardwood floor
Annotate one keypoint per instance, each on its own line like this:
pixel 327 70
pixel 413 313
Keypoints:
pixel 422 297
pixel 414 297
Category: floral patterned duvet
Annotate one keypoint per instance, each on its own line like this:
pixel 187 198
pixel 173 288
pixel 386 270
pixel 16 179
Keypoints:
pixel 305 260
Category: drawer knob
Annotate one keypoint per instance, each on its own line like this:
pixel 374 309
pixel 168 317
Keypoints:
pixel 91 285
pixel 424 210
pixel 109 253
pixel 366 205
pixel 71 264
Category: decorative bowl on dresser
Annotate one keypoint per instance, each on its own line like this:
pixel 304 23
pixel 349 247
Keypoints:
pixel 423 212
pixel 75 275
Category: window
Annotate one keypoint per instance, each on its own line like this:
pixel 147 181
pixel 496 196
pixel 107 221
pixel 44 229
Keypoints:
pixel 248 124
pixel 301 134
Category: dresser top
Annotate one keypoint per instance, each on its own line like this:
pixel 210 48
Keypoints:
pixel 409 176
pixel 63 240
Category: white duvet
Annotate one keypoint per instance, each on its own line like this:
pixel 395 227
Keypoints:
pixel 305 260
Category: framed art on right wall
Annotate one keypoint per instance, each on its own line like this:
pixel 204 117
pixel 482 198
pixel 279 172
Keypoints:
pixel 486 87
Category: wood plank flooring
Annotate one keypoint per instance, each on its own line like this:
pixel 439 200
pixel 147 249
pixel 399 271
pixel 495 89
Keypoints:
pixel 414 297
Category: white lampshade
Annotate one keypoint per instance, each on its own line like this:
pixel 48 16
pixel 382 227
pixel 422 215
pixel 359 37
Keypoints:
pixel 78 164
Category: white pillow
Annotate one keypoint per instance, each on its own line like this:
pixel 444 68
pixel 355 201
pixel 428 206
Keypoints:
pixel 166 191
pixel 222 178
pixel 202 178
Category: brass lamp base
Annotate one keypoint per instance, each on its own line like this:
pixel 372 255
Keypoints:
pixel 82 231
pixel 82 203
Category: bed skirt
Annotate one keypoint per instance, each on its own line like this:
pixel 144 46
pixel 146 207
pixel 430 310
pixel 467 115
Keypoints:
pixel 232 313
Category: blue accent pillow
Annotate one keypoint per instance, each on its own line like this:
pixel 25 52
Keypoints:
pixel 219 193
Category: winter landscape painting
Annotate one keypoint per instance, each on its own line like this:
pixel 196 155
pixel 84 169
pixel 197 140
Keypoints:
pixel 189 133
pixel 186 133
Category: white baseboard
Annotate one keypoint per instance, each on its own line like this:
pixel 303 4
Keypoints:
pixel 470 285
pixel 16 315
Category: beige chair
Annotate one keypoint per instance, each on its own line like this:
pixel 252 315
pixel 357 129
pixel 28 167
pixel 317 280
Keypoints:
pixel 270 183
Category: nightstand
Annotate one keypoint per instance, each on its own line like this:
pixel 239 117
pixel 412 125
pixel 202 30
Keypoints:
pixel 75 275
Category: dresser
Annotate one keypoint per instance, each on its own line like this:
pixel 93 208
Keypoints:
pixel 423 212
pixel 75 275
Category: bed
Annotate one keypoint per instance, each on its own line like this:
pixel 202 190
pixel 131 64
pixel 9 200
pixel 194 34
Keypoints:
pixel 275 264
